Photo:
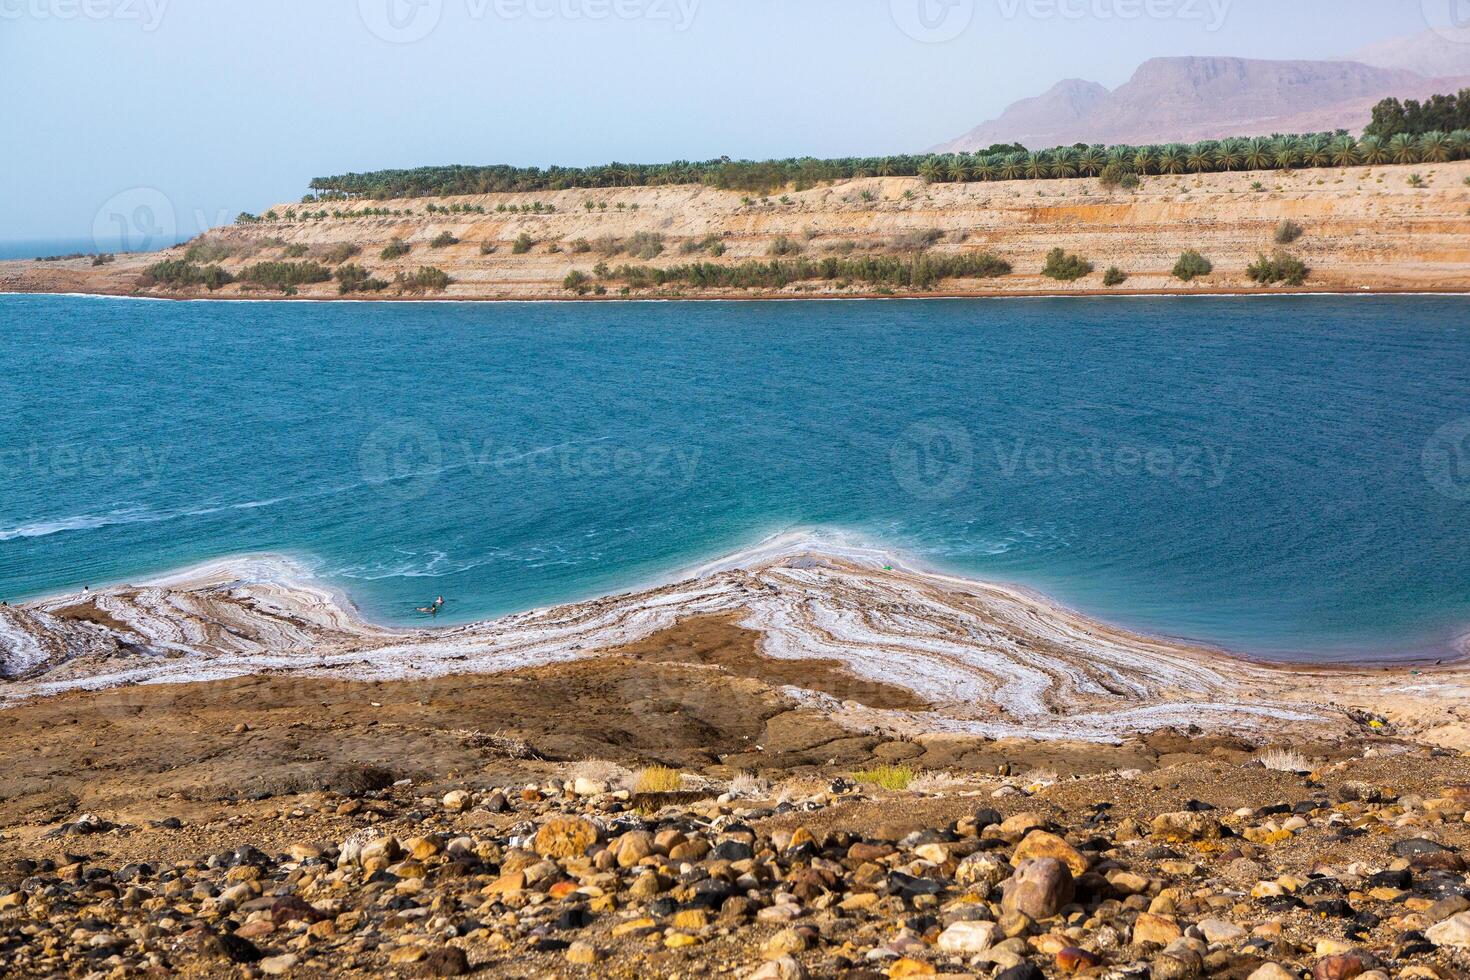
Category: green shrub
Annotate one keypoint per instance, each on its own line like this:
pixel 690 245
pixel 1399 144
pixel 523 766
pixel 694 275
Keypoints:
pixel 646 245
pixel 103 258
pixel 294 251
pixel 581 246
pixel 1191 265
pixel 284 275
pixel 426 279
pixel 607 246
pixel 443 240
pixel 1281 267
pixel 354 278
pixel 576 282
pixel 488 248
pixel 783 246
pixel 1114 276
pixel 1287 232
pixel 522 244
pixel 921 271
pixel 1060 265
pixel 337 254
pixel 180 273
pixel 396 249
pixel 1117 175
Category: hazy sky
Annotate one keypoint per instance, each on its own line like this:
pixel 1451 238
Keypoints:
pixel 208 107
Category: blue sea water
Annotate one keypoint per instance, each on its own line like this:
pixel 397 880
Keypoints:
pixel 1283 477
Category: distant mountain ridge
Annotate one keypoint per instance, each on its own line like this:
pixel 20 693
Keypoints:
pixel 1184 99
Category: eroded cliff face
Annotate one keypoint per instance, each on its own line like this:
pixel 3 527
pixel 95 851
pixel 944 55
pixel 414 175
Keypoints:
pixel 1365 228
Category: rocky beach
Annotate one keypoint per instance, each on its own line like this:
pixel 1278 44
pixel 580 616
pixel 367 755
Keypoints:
pixel 798 764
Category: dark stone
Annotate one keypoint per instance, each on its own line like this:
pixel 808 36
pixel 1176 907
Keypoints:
pixel 233 948
pixel 987 817
pixel 291 908
pixel 1391 879
pixel 1198 806
pixel 661 908
pixel 576 917
pixel 1021 971
pixel 449 961
pixel 732 850
pixel 1418 845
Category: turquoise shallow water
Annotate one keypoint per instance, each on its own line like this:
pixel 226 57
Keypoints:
pixel 1278 476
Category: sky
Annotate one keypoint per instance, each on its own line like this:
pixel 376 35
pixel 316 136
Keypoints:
pixel 161 118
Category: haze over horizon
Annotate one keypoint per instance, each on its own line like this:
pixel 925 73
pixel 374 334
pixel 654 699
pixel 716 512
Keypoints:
pixel 143 104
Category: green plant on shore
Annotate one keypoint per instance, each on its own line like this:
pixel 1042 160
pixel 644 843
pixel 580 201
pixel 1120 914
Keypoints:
pixel 522 244
pixel 922 271
pixel 178 273
pixel 1065 267
pixel 1281 267
pixel 1192 265
pixel 352 278
pixel 427 279
pixel 443 240
pixel 1287 232
pixel 395 249
pixel 1114 276
pixel 284 276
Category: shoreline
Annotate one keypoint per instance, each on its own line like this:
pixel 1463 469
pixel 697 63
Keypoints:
pixel 988 660
pixel 815 297
pixel 293 571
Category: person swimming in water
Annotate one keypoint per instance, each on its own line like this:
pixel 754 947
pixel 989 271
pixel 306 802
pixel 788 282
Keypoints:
pixel 432 610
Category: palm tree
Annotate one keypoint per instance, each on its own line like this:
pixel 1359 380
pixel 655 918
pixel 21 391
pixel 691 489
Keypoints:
pixel 1403 148
pixel 886 168
pixel 1037 165
pixel 1344 151
pixel 1316 151
pixel 1372 151
pixel 1230 154
pixel 1146 159
pixel 1434 147
pixel 1172 159
pixel 1064 162
pixel 1122 155
pixel 959 171
pixel 929 171
pixel 1460 143
pixel 1014 167
pixel 1284 153
pixel 987 168
pixel 1257 154
pixel 1200 157
pixel 1091 161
